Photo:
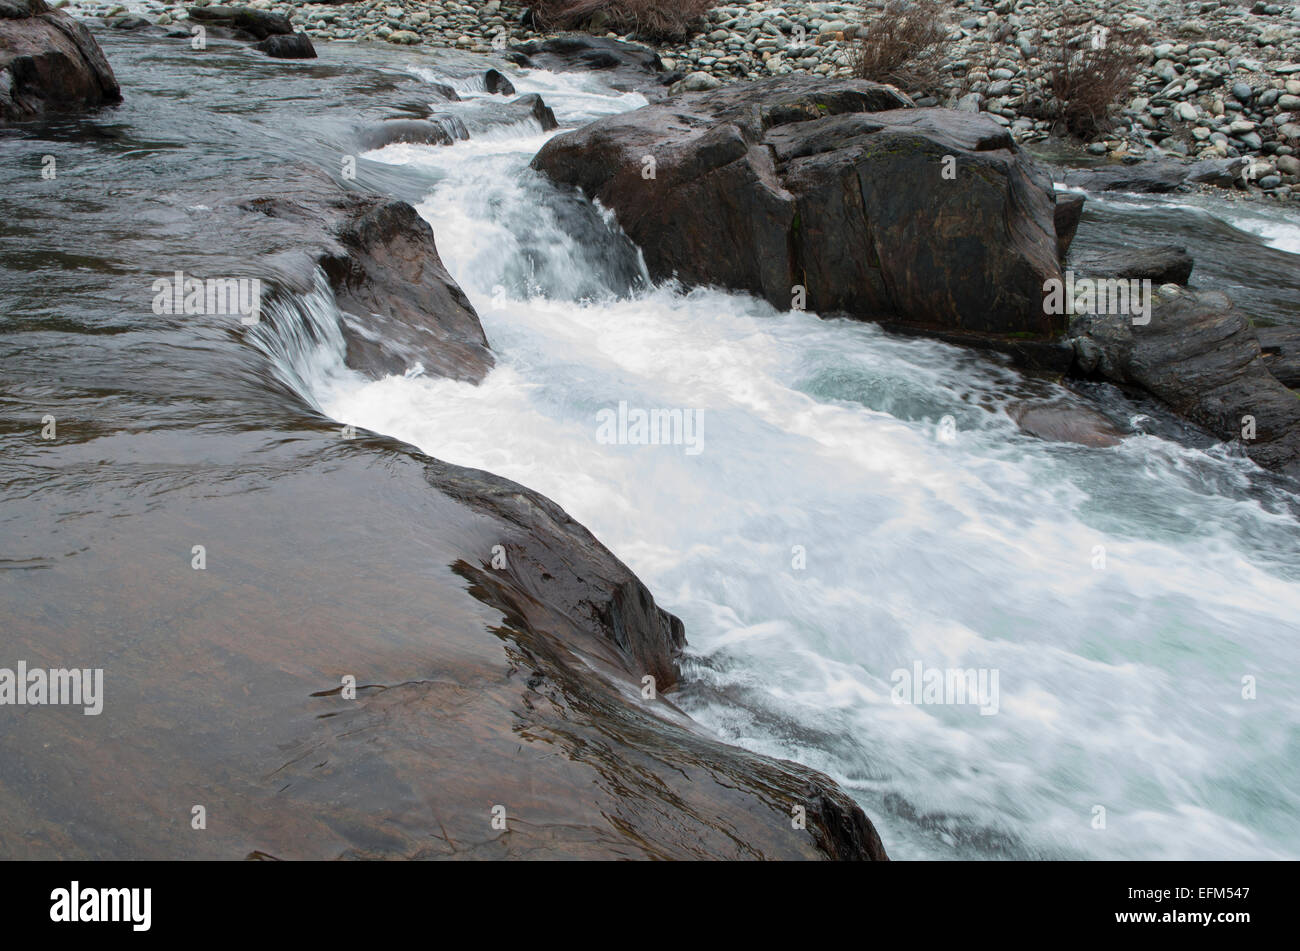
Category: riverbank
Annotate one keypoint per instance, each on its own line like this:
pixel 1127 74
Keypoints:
pixel 1218 80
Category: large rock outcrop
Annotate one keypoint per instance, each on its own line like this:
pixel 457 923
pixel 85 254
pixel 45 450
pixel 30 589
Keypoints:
pixel 1200 356
pixel 927 217
pixel 49 63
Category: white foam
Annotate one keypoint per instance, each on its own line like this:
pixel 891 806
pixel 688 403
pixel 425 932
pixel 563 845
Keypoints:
pixel 1120 687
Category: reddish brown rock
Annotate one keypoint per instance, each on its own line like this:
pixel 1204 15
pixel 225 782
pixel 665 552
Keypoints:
pixel 49 63
pixel 922 216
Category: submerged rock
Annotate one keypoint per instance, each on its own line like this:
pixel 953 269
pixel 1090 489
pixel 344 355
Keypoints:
pixel 837 187
pixel 482 114
pixel 456 121
pixel 49 63
pixel 1066 422
pixel 243 21
pixel 294 46
pixel 444 131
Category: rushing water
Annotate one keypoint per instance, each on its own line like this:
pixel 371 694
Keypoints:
pixel 829 533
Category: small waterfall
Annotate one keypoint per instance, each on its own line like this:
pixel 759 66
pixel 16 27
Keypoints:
pixel 302 337
pixel 826 538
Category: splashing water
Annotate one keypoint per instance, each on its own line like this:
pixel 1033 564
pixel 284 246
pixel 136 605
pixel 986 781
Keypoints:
pixel 832 531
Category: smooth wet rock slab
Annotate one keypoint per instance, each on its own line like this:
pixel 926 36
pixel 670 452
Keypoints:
pixel 1149 177
pixel 1166 264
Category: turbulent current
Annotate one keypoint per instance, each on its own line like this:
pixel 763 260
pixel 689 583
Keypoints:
pixel 851 507
pixel 829 531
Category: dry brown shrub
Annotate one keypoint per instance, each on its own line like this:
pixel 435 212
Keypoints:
pixel 1089 73
pixel 904 43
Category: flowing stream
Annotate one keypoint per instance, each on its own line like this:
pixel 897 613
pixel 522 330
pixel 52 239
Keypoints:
pixel 826 529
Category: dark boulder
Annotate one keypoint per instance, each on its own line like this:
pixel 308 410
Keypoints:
pixel 1200 356
pixel 49 63
pixel 1146 177
pixel 1167 264
pixel 928 217
pixel 1281 353
pixel 259 24
pixel 400 305
pixel 497 84
pixel 293 46
pixel 443 131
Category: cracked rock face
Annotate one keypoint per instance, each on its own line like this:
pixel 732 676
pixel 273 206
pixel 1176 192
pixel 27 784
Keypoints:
pixel 931 218
pixel 49 63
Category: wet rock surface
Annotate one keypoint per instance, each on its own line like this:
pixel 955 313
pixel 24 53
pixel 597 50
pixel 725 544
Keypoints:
pixel 833 186
pixel 627 66
pixel 476 686
pixel 1167 264
pixel 499 651
pixel 1066 422
pixel 1281 353
pixel 49 63
pixel 1200 356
